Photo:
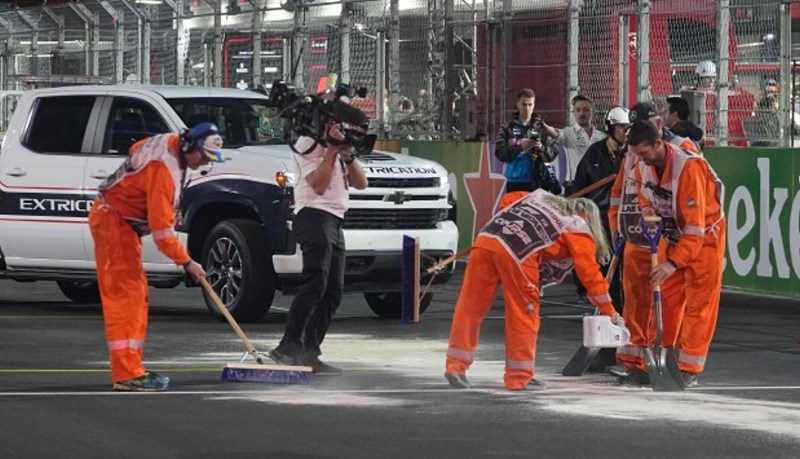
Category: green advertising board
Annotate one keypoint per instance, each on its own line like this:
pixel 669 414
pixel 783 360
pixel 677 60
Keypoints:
pixel 762 203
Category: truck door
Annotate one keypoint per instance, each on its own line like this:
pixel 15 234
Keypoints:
pixel 44 206
pixel 122 122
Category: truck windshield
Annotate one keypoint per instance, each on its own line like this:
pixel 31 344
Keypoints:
pixel 241 122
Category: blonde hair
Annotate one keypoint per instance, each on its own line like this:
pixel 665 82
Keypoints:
pixel 586 209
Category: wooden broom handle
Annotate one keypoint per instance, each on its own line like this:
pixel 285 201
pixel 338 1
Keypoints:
pixel 448 260
pixel 224 310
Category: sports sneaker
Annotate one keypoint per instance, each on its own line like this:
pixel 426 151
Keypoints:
pixel 635 378
pixel 536 384
pixel 457 381
pixel 321 368
pixel 284 359
pixel 148 382
pixel 617 370
pixel 689 378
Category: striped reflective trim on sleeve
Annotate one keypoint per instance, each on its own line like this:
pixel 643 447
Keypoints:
pixel 466 356
pixel 597 300
pixel 694 230
pixel 120 344
pixel 615 201
pixel 164 234
pixel 691 359
pixel 520 364
pixel 629 350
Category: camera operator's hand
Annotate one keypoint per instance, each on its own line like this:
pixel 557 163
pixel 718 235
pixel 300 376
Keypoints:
pixel 334 132
pixel 348 155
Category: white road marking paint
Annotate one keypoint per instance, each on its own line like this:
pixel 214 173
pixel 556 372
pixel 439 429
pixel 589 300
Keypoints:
pixel 418 366
pixel 691 406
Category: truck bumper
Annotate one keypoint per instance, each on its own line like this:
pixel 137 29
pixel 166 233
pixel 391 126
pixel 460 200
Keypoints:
pixel 374 258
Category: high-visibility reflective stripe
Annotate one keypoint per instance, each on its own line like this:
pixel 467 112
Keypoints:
pixel 520 364
pixel 163 234
pixel 599 299
pixel 119 344
pixel 630 350
pixel 695 230
pixel 615 201
pixel 459 354
pixel 692 359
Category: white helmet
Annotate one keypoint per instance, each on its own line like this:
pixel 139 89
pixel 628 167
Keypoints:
pixel 617 115
pixel 706 69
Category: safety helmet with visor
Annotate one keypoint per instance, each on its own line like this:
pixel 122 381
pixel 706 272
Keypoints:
pixel 617 115
pixel 205 138
pixel 706 69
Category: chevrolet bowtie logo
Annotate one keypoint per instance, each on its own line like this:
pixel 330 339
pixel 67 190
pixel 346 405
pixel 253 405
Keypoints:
pixel 398 197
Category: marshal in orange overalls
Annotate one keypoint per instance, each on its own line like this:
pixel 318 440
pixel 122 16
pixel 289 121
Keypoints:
pixel 492 263
pixel 140 198
pixel 696 245
pixel 638 295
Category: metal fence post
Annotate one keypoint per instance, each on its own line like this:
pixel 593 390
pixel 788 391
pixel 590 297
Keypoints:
pixel 380 81
pixel 643 52
pixel 33 24
pixel 393 64
pixel 345 27
pixel 119 39
pixel 787 108
pixel 300 42
pixel 723 80
pixel 573 53
pixel 7 67
pixel 506 47
pixel 257 22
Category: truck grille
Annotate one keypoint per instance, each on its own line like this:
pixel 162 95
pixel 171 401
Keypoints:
pixel 391 182
pixel 391 219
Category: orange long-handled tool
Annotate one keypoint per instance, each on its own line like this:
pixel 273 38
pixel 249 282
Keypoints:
pixel 463 252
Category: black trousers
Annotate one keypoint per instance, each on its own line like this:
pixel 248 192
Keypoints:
pixel 321 239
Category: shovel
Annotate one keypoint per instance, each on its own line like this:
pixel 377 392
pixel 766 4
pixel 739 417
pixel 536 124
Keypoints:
pixel 662 362
pixel 584 356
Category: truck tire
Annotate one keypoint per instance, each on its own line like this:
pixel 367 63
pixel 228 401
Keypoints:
pixel 387 305
pixel 80 292
pixel 239 268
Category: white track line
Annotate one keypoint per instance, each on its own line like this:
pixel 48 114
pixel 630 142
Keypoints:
pixel 309 390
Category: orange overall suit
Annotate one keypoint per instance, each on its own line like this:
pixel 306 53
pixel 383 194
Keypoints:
pixel 636 265
pixel 515 260
pixel 695 231
pixel 140 198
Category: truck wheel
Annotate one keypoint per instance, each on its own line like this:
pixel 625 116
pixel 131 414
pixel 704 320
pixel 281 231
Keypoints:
pixel 80 292
pixel 239 267
pixel 387 305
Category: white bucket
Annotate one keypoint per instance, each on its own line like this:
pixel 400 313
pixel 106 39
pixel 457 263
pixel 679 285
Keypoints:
pixel 598 331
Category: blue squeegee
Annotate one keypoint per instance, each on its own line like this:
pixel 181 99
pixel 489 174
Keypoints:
pixel 259 372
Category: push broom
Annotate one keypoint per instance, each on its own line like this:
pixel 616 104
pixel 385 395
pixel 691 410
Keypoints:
pixel 258 372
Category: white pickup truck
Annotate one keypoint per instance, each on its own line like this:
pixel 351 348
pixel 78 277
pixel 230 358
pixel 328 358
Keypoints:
pixel 61 143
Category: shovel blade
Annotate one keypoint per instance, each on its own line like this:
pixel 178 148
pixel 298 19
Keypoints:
pixel 669 360
pixel 580 361
pixel 660 378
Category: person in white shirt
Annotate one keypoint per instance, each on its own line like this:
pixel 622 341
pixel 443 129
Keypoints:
pixel 327 171
pixel 576 140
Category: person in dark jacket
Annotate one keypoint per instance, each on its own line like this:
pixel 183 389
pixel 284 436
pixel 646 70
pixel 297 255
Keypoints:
pixel 602 159
pixel 676 117
pixel 520 145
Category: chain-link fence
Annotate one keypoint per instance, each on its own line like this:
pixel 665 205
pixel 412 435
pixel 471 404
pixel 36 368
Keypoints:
pixel 434 68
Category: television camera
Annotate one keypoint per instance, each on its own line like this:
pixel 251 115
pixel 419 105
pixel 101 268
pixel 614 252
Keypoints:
pixel 311 115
